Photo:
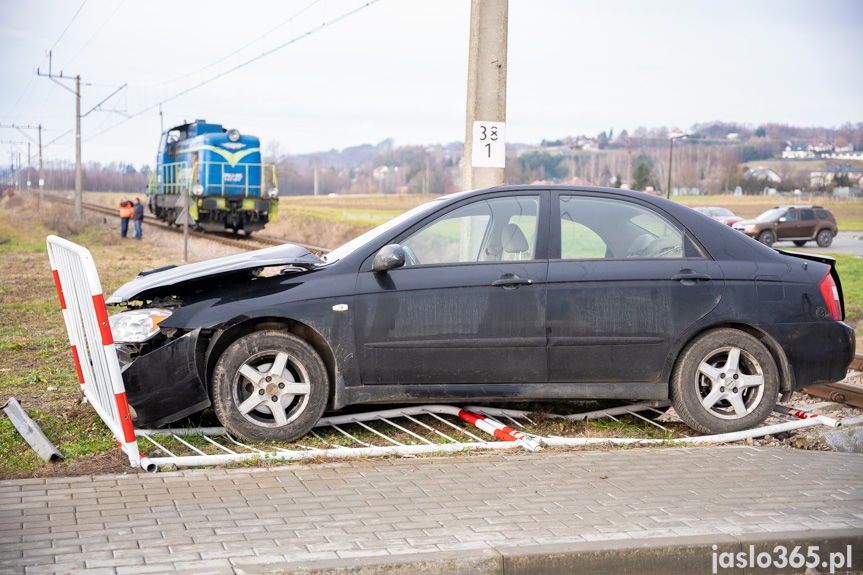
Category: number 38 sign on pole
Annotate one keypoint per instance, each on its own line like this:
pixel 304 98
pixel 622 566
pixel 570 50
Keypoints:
pixel 489 145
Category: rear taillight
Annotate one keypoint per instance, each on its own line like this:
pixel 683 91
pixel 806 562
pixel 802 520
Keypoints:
pixel 831 296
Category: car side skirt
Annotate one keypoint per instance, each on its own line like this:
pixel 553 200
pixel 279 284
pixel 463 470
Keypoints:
pixel 501 392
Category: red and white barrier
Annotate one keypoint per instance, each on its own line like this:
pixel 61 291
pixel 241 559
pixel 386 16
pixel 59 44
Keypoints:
pixel 86 319
pixel 829 421
pixel 499 430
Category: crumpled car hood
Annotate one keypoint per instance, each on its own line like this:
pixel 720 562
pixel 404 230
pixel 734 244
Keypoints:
pixel 285 255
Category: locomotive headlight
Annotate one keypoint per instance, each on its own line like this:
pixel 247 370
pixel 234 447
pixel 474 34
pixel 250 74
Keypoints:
pixel 273 193
pixel 197 190
pixel 138 325
pixel 233 135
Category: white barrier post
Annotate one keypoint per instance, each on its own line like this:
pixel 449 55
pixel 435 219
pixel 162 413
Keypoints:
pixel 86 319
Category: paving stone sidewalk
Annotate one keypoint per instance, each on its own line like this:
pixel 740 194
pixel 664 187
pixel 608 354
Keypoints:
pixel 235 521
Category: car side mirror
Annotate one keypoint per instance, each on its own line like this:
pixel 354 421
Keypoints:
pixel 388 258
pixel 783 219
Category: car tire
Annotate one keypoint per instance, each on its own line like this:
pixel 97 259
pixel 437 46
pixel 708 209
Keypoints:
pixel 799 243
pixel 256 400
pixel 824 238
pixel 700 393
pixel 767 237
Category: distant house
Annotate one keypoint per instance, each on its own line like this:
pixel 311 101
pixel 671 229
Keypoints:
pixel 572 182
pixel 797 152
pixel 823 178
pixel 762 174
pixel 380 172
pixel 821 147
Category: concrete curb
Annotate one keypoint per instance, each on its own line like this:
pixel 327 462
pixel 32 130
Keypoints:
pixel 659 556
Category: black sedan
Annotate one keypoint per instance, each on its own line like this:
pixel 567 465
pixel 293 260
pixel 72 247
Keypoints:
pixel 510 293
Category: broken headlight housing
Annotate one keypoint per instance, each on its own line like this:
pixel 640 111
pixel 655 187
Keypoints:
pixel 137 326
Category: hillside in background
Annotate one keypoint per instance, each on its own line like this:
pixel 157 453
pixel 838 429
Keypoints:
pixel 712 158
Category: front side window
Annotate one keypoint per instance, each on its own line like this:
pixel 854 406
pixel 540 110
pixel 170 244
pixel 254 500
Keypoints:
pixel 499 229
pixel 791 216
pixel 597 228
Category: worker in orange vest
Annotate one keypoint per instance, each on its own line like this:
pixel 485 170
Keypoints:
pixel 125 214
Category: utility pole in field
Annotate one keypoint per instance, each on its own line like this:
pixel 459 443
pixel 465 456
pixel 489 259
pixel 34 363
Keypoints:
pixel 41 170
pixel 39 142
pixel 79 172
pixel 485 130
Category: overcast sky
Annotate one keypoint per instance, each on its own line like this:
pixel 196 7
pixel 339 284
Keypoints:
pixel 398 69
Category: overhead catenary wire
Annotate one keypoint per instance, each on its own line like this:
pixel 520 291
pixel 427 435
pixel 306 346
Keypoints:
pixel 63 33
pixel 96 33
pixel 235 52
pixel 237 67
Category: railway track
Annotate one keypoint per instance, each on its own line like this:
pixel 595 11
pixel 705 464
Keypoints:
pixel 841 392
pixel 241 242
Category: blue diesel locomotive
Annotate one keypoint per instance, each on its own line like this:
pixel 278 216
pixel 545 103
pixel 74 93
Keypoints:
pixel 230 189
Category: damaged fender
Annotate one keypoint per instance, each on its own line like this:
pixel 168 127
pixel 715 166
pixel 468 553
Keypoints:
pixel 164 385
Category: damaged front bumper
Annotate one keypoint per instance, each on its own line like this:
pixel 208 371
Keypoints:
pixel 164 385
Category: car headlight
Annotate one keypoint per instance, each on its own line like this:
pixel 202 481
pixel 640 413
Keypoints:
pixel 749 228
pixel 197 190
pixel 273 193
pixel 233 135
pixel 137 326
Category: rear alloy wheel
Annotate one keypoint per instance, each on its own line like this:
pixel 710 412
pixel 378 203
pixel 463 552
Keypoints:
pixel 799 243
pixel 824 238
pixel 767 237
pixel 724 381
pixel 269 386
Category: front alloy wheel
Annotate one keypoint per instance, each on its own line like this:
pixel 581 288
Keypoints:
pixel 269 386
pixel 725 381
pixel 767 237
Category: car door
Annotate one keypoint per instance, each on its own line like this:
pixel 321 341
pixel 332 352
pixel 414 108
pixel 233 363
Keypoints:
pixel 806 225
pixel 788 225
pixel 624 282
pixel 468 307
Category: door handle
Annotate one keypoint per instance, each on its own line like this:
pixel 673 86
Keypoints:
pixel 511 282
pixel 689 277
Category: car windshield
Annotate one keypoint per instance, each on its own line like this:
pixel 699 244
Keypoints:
pixel 722 212
pixel 382 229
pixel 770 215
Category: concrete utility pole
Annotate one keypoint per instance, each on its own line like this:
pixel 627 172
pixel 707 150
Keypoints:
pixel 41 170
pixel 485 137
pixel 79 173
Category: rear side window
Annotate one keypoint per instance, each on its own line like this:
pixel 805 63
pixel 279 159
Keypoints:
pixel 822 214
pixel 807 215
pixel 598 228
